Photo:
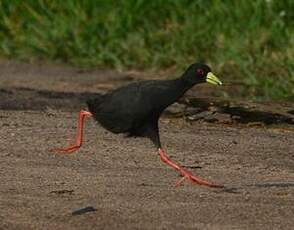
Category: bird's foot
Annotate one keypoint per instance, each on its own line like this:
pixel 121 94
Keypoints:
pixel 186 175
pixel 67 150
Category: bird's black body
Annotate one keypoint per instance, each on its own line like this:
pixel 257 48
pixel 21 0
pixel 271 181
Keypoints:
pixel 135 109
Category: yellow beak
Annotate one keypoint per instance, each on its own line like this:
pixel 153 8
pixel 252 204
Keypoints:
pixel 210 78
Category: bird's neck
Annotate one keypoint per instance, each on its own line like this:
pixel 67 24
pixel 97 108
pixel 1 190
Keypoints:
pixel 183 85
pixel 176 89
pixel 173 90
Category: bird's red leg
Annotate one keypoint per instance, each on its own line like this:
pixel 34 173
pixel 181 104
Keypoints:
pixel 79 137
pixel 185 173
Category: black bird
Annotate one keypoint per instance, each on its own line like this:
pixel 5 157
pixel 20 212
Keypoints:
pixel 135 109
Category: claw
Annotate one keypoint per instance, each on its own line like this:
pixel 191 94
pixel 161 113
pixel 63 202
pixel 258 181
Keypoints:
pixel 180 181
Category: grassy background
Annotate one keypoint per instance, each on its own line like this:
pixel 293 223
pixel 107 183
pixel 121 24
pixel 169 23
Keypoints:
pixel 251 42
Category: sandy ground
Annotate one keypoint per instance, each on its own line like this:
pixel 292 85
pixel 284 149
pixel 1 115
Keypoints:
pixel 121 181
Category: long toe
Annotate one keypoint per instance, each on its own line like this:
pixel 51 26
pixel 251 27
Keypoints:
pixel 68 150
pixel 188 176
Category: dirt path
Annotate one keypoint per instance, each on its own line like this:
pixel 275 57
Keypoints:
pixel 121 180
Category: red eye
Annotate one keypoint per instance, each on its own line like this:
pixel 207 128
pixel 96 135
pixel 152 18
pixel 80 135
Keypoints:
pixel 200 71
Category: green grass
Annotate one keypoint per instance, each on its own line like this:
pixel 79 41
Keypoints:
pixel 244 41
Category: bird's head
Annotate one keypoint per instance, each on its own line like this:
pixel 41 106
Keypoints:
pixel 200 73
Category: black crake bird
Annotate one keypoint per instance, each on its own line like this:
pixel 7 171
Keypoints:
pixel 135 109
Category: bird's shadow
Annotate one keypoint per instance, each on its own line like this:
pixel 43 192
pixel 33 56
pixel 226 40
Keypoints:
pixel 273 185
pixel 242 113
pixel 226 189
pixel 83 211
pixel 238 189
